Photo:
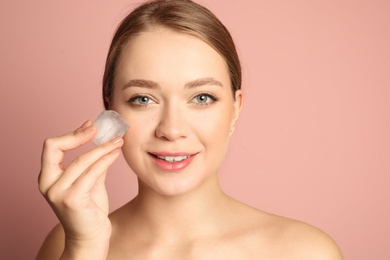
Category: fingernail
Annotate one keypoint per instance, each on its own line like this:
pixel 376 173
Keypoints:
pixel 86 124
pixel 116 140
pixel 89 129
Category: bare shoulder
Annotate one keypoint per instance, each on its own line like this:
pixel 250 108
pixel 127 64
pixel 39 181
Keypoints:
pixel 53 245
pixel 309 242
pixel 299 240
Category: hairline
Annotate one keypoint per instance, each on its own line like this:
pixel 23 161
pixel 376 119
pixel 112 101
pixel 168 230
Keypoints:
pixel 153 26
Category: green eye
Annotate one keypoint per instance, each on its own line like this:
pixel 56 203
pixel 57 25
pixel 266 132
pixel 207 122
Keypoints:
pixel 140 101
pixel 203 98
pixel 143 100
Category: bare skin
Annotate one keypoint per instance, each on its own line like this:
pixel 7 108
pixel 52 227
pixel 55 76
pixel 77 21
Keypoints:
pixel 251 234
pixel 178 213
pixel 230 230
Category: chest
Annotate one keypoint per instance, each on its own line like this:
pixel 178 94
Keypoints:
pixel 225 249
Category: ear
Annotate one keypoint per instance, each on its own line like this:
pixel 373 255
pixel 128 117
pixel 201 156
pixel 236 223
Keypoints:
pixel 237 106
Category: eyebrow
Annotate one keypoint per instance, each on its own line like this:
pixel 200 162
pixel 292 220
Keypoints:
pixel 202 82
pixel 142 83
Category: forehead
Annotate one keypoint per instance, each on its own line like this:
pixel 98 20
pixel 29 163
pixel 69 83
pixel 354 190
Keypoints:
pixel 162 54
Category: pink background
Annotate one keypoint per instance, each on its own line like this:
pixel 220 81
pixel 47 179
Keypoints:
pixel 312 142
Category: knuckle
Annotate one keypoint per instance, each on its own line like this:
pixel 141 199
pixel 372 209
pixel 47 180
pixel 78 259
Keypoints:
pixel 79 138
pixel 40 179
pixel 41 187
pixel 42 190
pixel 78 160
pixel 49 142
pixel 77 133
pixel 70 202
pixel 66 200
pixel 52 194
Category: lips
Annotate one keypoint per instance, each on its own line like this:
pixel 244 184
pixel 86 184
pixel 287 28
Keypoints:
pixel 172 161
pixel 173 158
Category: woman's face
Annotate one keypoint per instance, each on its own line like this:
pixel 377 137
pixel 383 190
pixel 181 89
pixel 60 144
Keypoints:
pixel 174 91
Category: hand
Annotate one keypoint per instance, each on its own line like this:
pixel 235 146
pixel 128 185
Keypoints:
pixel 77 194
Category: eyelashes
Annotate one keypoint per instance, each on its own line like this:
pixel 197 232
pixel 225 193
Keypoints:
pixel 140 101
pixel 199 100
pixel 204 99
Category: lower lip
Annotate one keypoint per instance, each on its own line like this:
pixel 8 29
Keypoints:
pixel 172 166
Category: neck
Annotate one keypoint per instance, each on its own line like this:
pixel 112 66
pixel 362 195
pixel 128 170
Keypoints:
pixel 194 213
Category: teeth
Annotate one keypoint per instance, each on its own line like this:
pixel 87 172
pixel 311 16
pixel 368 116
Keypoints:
pixel 173 158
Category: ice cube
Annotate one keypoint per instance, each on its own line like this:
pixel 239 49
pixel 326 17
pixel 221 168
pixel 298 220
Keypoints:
pixel 109 124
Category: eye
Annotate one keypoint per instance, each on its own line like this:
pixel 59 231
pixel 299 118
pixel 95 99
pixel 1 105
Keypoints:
pixel 143 100
pixel 204 99
pixel 140 101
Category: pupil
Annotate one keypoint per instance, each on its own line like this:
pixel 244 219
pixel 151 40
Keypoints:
pixel 144 99
pixel 202 98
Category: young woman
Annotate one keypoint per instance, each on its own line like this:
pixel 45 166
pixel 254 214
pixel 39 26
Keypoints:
pixel 173 74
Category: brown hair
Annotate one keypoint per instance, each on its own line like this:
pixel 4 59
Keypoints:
pixel 179 15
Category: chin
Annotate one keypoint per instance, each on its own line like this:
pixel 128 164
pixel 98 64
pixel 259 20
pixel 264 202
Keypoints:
pixel 173 185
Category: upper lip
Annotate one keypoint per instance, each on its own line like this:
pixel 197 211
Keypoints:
pixel 174 154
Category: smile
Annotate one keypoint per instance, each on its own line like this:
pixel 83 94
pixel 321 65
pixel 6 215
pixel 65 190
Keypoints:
pixel 172 162
pixel 173 158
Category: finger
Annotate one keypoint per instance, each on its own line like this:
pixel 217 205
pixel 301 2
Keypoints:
pixel 84 162
pixel 94 173
pixel 54 150
pixel 89 190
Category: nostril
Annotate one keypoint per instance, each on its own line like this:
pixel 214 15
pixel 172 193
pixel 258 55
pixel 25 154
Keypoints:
pixel 173 122
pixel 170 132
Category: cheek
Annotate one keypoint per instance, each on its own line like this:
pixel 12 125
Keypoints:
pixel 135 139
pixel 212 130
pixel 131 144
pixel 214 123
pixel 213 133
pixel 140 131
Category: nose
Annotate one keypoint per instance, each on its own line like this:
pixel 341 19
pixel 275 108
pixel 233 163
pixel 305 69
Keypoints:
pixel 173 124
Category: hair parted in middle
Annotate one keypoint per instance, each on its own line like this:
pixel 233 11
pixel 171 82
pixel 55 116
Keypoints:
pixel 183 16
